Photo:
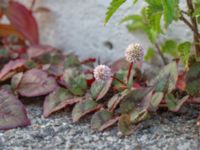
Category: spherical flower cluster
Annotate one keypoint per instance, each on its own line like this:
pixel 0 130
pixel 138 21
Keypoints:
pixel 102 72
pixel 134 53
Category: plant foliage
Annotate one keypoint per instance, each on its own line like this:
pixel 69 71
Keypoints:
pixel 126 99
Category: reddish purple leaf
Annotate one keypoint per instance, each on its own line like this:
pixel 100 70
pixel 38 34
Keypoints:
pixel 23 21
pixel 11 68
pixel 58 100
pixel 38 50
pixel 12 112
pixel 36 82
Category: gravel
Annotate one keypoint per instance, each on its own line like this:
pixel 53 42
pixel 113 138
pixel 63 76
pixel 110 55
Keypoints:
pixel 165 131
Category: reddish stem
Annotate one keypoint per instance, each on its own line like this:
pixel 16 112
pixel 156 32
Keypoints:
pixel 120 81
pixel 129 71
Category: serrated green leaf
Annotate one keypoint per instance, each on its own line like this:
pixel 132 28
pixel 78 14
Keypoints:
pixel 171 11
pixel 184 51
pixel 170 47
pixel 114 5
pixel 135 18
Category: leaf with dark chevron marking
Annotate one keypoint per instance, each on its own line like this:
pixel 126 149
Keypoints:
pixel 115 100
pixel 58 100
pixel 100 118
pixel 166 79
pixel 83 108
pixel 124 124
pixel 100 88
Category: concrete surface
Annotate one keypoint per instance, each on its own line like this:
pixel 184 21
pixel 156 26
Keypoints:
pixel 77 26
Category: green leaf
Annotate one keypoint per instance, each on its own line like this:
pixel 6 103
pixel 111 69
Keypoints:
pixel 78 85
pixel 173 104
pixel 76 82
pixel 156 99
pixel 155 21
pixel 135 18
pixel 132 99
pixel 154 4
pixel 166 79
pixel 71 61
pixel 193 80
pixel 170 47
pixel 149 55
pixel 138 115
pixel 184 51
pixel 135 1
pixel 116 99
pixel 124 124
pixel 171 11
pixel 127 106
pixel 114 5
pixel 83 108
pixel 100 88
pixel 57 100
pixel 69 74
pixel 100 118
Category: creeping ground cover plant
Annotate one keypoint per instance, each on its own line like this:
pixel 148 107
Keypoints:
pixel 117 94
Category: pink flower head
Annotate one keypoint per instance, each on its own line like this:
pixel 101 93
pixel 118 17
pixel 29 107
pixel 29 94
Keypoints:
pixel 134 53
pixel 102 72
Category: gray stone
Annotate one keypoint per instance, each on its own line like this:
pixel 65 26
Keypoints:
pixel 58 132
